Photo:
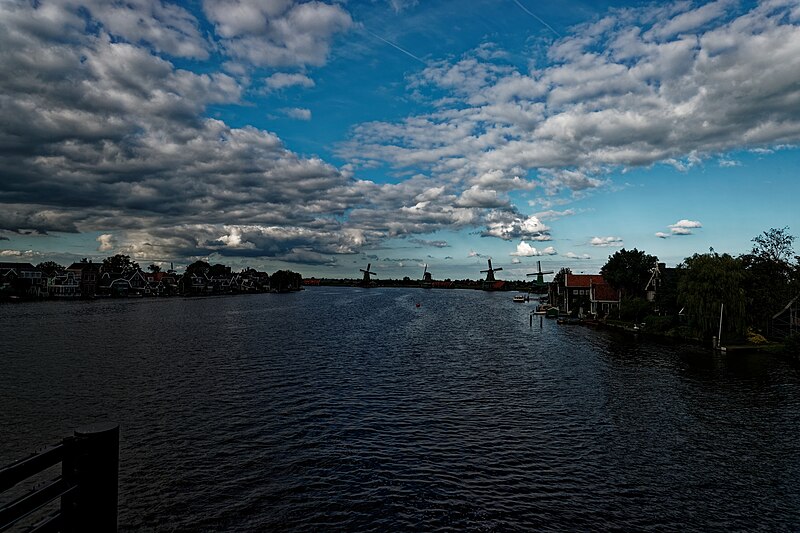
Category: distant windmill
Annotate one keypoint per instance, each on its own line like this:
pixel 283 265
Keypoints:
pixel 426 276
pixel 427 279
pixel 540 273
pixel 490 272
pixel 366 281
pixel 538 286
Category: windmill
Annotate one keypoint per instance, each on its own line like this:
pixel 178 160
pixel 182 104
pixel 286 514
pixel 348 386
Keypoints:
pixel 365 282
pixel 427 279
pixel 539 282
pixel 490 272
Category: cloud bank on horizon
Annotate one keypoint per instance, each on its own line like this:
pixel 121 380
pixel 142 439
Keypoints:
pixel 107 124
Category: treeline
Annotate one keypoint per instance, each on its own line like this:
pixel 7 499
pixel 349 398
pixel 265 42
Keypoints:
pixel 750 292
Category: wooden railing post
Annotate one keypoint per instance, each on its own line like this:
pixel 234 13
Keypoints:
pixel 92 462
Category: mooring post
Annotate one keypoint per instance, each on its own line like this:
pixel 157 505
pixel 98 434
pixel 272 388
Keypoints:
pixel 92 462
pixel 541 319
pixel 531 320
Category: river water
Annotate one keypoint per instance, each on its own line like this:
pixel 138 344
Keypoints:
pixel 353 409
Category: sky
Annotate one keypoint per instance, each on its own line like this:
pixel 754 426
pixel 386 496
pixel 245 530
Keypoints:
pixel 322 136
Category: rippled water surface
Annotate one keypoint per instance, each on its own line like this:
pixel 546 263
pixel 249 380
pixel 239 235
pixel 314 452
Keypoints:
pixel 352 409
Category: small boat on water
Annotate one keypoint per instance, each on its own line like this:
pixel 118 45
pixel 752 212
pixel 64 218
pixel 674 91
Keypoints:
pixel 542 309
pixel 520 298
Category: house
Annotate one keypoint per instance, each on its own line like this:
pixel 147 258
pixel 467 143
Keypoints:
pixel 22 279
pixel 64 285
pixel 603 298
pixel 88 277
pixel 138 283
pixel 574 296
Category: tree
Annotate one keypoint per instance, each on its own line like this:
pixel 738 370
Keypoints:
pixel 629 271
pixel 198 268
pixel 770 276
pixel 774 245
pixel 708 281
pixel 120 264
pixel 50 268
pixel 561 276
pixel 154 268
pixel 285 280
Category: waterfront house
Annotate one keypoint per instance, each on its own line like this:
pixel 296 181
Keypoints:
pixel 22 279
pixel 138 283
pixel 88 277
pixel 573 297
pixel 64 285
pixel 603 298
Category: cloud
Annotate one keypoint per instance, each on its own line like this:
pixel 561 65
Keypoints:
pixel 509 225
pixel 674 84
pixel 526 250
pixel 433 244
pixel 276 34
pixel 105 129
pixel 165 27
pixel 29 255
pixel 401 5
pixel 662 235
pixel 106 242
pixel 607 241
pixel 573 255
pixel 282 80
pixel 478 197
pixel 684 227
pixel 298 113
pixel 552 214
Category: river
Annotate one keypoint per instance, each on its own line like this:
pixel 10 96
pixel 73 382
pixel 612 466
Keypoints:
pixel 353 409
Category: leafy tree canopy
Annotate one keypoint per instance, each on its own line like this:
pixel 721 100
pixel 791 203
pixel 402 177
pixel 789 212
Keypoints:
pixel 198 268
pixel 561 276
pixel 284 280
pixel 774 245
pixel 50 268
pixel 629 271
pixel 120 264
pixel 154 268
pixel 709 281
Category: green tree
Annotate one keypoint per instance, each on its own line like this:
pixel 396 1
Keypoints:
pixel 770 276
pixel 707 282
pixel 774 245
pixel 120 264
pixel 50 268
pixel 198 268
pixel 628 271
pixel 561 276
pixel 154 268
pixel 285 280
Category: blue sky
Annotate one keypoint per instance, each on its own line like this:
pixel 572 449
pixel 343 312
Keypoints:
pixel 320 136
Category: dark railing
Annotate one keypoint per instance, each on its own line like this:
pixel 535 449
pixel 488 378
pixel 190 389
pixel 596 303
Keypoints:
pixel 87 486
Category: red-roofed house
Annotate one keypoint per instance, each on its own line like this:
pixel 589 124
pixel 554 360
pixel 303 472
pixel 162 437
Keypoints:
pixel 603 298
pixel 574 297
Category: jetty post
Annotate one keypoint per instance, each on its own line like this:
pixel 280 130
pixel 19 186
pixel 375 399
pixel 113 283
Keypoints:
pixel 93 466
pixel 87 487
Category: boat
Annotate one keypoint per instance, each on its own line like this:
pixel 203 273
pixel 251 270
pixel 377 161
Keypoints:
pixel 519 298
pixel 542 309
pixel 569 321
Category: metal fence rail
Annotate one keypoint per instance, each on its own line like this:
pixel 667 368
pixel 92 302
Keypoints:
pixel 87 486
